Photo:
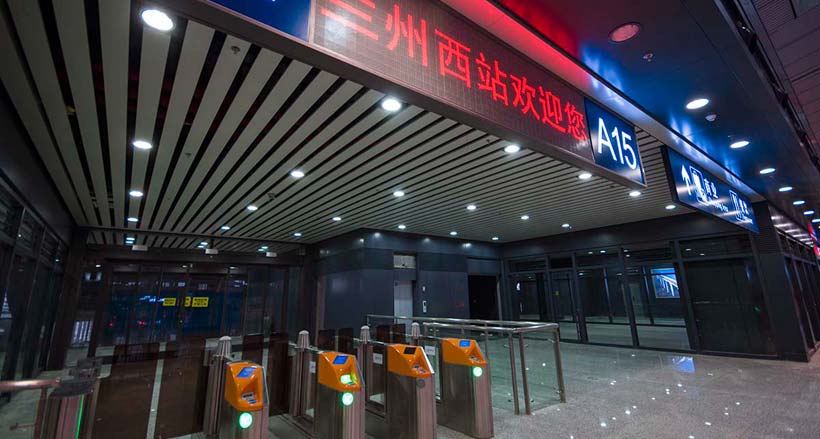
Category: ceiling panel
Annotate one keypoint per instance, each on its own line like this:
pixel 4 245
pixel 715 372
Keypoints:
pixel 229 121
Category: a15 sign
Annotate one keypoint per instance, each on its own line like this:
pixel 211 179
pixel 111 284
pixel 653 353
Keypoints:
pixel 614 145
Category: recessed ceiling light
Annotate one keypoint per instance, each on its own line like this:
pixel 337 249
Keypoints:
pixel 816 220
pixel 671 207
pixel 694 104
pixel 252 208
pixel 135 193
pixel 584 176
pixel 203 243
pixel 602 251
pixel 566 225
pixel 398 194
pixel 142 144
pixel 739 144
pixel 495 238
pixel 157 19
pixel 453 233
pixel 391 104
pixel 765 171
pixel 808 212
pixel 296 173
pixel 624 32
pixel 634 194
pixel 264 247
pixel 225 228
pixel 401 226
pixel 297 234
pixel 132 219
pixel 799 203
pixel 98 265
pixel 785 189
pixel 711 117
pixel 337 218
pixel 471 207
pixel 525 217
pixel 512 148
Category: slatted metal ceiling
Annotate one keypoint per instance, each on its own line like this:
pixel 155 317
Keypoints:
pixel 229 121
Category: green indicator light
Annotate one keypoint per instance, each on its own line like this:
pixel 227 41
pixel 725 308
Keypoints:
pixel 477 371
pixel 245 420
pixel 347 399
pixel 346 379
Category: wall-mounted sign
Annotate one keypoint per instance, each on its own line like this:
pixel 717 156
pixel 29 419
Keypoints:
pixel 614 145
pixel 694 187
pixel 289 16
pixel 169 301
pixel 814 241
pixel 199 302
pixel 429 48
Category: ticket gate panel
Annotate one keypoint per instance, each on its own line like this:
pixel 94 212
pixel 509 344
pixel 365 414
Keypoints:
pixel 411 398
pixel 339 412
pixel 466 401
pixel 244 411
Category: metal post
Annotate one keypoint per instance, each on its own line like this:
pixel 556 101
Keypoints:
pixel 41 409
pixel 559 369
pixel 512 371
pixel 486 341
pixel 415 333
pixel 526 385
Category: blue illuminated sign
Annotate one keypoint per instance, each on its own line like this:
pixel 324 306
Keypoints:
pixel 697 188
pixel 464 343
pixel 340 359
pixel 614 145
pixel 289 16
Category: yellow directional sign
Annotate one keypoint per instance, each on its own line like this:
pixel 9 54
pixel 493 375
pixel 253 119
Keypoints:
pixel 169 301
pixel 187 301
pixel 200 302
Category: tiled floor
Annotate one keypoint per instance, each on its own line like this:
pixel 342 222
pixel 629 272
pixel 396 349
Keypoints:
pixel 624 393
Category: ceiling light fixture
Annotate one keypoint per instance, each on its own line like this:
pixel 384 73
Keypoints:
pixel 203 243
pixel 391 104
pixel 252 208
pixel 135 193
pixel 157 19
pixel 785 189
pixel 512 148
pixel 694 104
pixel 711 117
pixel 495 238
pixel 142 144
pixel 296 173
pixel 453 233
pixel 297 234
pixel 671 207
pixel 624 32
pixel 225 228
pixel 816 220
pixel 398 194
pixel 566 225
pixel 765 171
pixel 584 176
pixel 401 226
pixel 525 217
pixel 808 212
pixel 337 218
pixel 799 203
pixel 635 194
pixel 739 144
pixel 471 207
pixel 132 219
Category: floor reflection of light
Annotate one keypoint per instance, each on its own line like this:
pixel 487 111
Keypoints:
pixel 628 412
pixel 603 424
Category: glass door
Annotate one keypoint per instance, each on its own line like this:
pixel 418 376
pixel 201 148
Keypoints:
pixel 529 303
pixel 203 304
pixel 563 301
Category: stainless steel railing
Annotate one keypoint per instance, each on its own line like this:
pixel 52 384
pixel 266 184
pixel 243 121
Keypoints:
pixel 510 330
pixel 42 385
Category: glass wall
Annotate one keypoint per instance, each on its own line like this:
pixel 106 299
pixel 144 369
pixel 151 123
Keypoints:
pixel 149 302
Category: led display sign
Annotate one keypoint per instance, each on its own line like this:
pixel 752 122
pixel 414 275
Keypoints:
pixel 694 187
pixel 289 16
pixel 614 145
pixel 429 48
